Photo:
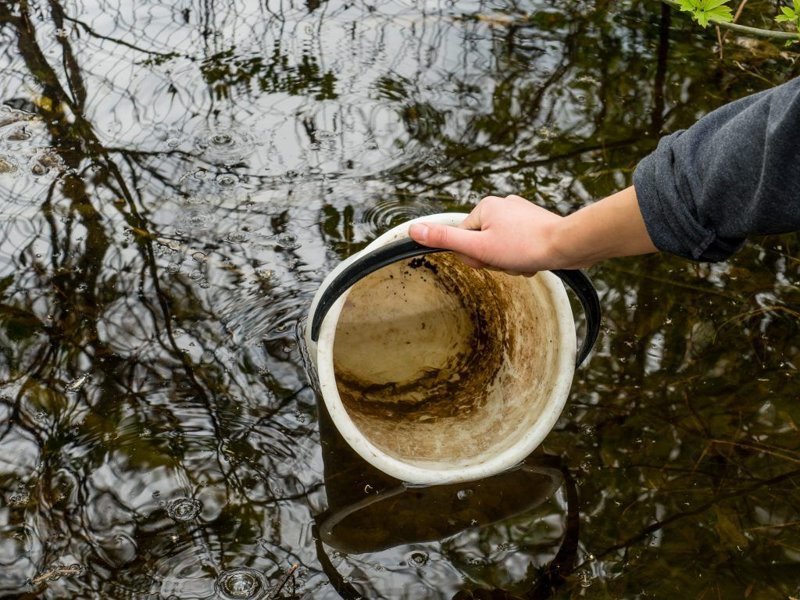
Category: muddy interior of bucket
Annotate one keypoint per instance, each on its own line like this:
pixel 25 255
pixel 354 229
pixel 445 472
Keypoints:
pixel 439 364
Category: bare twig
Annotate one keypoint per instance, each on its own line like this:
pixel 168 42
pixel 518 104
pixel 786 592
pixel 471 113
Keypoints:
pixel 289 572
pixel 739 10
pixel 736 16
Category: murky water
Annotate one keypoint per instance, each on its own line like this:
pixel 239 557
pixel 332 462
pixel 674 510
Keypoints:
pixel 176 179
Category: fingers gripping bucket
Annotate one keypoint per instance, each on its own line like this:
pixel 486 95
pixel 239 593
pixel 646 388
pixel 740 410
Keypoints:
pixel 435 372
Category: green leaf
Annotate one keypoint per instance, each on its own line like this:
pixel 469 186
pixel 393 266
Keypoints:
pixel 790 15
pixel 707 11
pixel 723 14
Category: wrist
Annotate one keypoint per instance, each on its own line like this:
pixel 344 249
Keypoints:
pixel 608 228
pixel 568 243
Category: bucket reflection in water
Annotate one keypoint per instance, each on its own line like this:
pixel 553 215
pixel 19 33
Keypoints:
pixel 369 511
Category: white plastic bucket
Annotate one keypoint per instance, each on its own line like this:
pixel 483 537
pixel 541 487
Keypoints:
pixel 435 372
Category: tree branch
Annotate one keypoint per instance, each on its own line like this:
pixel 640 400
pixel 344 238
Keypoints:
pixel 746 29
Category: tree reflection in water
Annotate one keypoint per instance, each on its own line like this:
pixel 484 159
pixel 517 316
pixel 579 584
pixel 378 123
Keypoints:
pixel 174 183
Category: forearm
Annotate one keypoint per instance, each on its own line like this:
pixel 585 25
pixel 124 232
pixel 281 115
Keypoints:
pixel 608 228
pixel 514 235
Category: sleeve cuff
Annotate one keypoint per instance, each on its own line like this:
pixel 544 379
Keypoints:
pixel 670 218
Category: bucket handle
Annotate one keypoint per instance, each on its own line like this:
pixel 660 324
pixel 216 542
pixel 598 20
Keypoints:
pixel 406 248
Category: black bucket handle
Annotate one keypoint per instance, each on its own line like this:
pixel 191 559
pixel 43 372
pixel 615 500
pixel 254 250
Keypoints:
pixel 406 248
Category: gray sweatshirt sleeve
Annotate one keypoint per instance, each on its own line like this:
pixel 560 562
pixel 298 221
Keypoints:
pixel 734 173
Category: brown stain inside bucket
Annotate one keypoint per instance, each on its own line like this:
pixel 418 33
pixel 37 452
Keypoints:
pixel 437 362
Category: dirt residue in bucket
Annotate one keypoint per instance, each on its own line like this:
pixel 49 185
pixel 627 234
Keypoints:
pixel 427 353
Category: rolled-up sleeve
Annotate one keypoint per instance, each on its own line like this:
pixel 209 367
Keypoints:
pixel 734 173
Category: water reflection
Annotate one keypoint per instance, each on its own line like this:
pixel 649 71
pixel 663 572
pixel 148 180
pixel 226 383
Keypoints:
pixel 176 180
pixel 375 524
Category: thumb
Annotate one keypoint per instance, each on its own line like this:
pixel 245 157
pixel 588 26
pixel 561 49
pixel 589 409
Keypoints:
pixel 456 239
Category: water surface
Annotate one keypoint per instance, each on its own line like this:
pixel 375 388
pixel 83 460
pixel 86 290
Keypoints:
pixel 177 178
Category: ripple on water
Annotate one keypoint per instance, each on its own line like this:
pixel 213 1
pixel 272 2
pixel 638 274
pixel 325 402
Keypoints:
pixel 389 213
pixel 183 509
pixel 202 187
pixel 225 145
pixel 241 584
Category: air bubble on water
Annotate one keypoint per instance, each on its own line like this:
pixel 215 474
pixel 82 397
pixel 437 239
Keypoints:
pixel 417 558
pixel 7 165
pixel 264 274
pixel 204 284
pixel 173 142
pixel 20 134
pixel 585 579
pixel 19 500
pixel 227 145
pixel 227 180
pixel 62 33
pixel 198 219
pixel 545 133
pixel 287 241
pixel 39 169
pixel 221 139
pixel 463 494
pixel 241 584
pixel 77 383
pixel 237 237
pixel 183 509
pixel 45 164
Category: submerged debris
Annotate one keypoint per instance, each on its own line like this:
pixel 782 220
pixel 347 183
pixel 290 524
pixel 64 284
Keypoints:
pixel 56 572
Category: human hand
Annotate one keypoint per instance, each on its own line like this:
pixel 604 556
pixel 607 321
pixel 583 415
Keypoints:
pixel 509 234
pixel 514 235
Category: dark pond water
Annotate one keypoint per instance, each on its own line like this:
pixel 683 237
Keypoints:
pixel 176 179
